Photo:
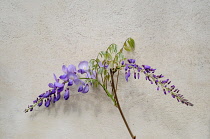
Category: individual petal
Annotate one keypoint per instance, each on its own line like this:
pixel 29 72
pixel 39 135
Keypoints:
pixel 54 98
pixel 59 85
pixel 149 78
pixel 127 75
pixel 175 90
pixel 153 70
pixel 58 96
pixel 40 103
pixel 86 89
pixel 82 71
pixel 158 88
pixel 138 75
pixel 65 69
pixel 160 76
pixel 60 89
pixel 106 66
pixel 126 67
pixel 63 77
pixel 47 94
pixel 52 92
pixel 165 81
pixel 70 83
pixel 134 75
pixel 173 86
pixel 80 88
pixel 47 103
pixel 156 82
pixel 66 94
pixel 31 107
pixel 77 81
pixel 72 69
pixel 50 98
pixel 41 95
pixel 164 91
pixel 55 78
pixel 51 85
pixel 83 65
pixel 130 60
pixel 72 76
pixel 35 101
pixel 123 62
pixel 146 67
pixel 173 95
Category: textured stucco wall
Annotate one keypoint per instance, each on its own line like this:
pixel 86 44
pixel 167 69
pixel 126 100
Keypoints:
pixel 38 36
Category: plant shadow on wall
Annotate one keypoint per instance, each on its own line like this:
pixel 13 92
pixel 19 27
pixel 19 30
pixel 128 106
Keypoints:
pixel 103 72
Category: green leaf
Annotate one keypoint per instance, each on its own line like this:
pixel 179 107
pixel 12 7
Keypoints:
pixel 97 60
pixel 112 48
pixel 105 72
pixel 101 55
pixel 100 71
pixel 129 45
pixel 108 77
pixel 116 58
pixel 121 56
pixel 108 56
pixel 111 64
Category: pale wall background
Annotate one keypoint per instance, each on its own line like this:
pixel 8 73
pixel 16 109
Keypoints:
pixel 38 36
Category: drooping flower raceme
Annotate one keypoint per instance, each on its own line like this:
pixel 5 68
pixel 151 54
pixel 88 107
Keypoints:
pixel 152 78
pixel 65 81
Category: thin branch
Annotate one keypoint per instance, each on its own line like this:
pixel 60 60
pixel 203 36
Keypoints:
pixel 117 79
pixel 118 105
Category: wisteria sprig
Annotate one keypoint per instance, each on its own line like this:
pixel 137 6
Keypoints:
pixel 101 72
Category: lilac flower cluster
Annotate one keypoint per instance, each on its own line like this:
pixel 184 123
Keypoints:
pixel 152 78
pixel 69 78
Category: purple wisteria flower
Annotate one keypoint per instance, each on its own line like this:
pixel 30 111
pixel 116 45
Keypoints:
pixel 152 78
pixel 66 95
pixel 127 75
pixel 66 80
pixel 86 88
pixel 83 67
